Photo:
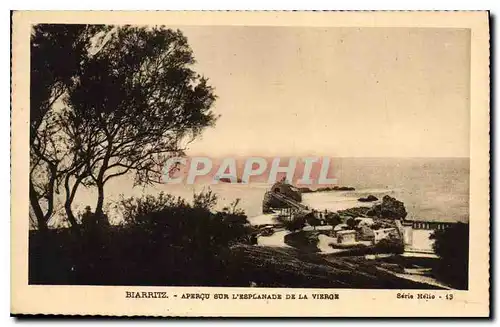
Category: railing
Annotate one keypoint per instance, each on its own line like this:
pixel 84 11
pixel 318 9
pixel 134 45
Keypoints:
pixel 292 206
pixel 430 225
pixel 290 202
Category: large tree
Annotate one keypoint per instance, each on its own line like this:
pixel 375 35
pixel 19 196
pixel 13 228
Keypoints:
pixel 57 53
pixel 136 103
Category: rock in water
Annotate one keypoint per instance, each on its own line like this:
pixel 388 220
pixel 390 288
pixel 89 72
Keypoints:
pixel 389 208
pixel 369 198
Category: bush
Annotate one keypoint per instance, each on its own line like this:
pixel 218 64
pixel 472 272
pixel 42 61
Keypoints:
pixel 174 219
pixel 452 247
pixel 333 219
pixel 297 223
pixel 352 223
pixel 305 241
pixel 163 241
pixel 392 244
pixel 312 220
pixel 205 200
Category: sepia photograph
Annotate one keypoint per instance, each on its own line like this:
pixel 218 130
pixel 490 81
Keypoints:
pixel 258 157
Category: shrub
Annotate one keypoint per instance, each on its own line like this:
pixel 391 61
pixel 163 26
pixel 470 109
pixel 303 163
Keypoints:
pixel 452 247
pixel 233 214
pixel 296 223
pixel 333 219
pixel 205 199
pixel 305 241
pixel 163 240
pixel 312 220
pixel 174 219
pixel 352 223
pixel 392 244
pixel 192 236
pixel 136 211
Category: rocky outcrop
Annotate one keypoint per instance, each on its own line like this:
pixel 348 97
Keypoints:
pixel 229 180
pixel 343 188
pixel 287 190
pixel 269 202
pixel 335 188
pixel 354 212
pixel 326 189
pixel 389 208
pixel 369 198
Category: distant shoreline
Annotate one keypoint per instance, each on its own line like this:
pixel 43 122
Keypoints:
pixel 326 189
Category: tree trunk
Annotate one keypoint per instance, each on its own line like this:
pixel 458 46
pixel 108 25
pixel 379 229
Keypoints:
pixel 50 194
pixel 103 219
pixel 70 215
pixel 100 197
pixel 40 217
pixel 70 196
pixel 100 180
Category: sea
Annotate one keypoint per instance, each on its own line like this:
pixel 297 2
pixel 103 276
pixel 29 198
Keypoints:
pixel 432 189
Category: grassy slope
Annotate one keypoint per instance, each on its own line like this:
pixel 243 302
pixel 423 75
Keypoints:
pixel 277 267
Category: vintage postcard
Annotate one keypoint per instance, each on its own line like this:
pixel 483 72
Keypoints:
pixel 250 164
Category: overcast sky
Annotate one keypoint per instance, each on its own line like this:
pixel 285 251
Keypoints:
pixel 369 92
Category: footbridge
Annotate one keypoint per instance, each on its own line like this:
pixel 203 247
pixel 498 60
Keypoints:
pixel 291 206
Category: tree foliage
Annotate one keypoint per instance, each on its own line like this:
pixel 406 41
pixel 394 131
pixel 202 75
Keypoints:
pixel 57 53
pixel 136 104
pixel 128 100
